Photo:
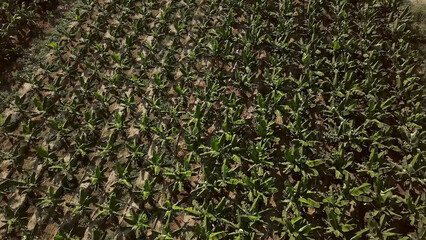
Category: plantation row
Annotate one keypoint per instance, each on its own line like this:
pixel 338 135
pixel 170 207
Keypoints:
pixel 220 119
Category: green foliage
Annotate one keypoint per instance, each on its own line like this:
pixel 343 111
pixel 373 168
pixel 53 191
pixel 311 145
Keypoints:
pixel 18 20
pixel 220 120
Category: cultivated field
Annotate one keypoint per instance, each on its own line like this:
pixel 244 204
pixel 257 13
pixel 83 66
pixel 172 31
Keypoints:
pixel 212 119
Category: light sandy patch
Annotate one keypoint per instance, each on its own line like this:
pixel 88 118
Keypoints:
pixel 26 87
pixel 419 1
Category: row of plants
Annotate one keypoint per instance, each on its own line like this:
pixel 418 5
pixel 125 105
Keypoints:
pixel 220 119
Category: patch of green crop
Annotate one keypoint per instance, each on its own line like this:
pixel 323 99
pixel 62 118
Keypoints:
pixel 18 20
pixel 22 34
pixel 219 120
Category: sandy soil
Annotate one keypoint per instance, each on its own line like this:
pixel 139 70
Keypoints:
pixel 419 1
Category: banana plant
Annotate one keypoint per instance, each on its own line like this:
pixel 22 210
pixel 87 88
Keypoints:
pixel 156 162
pixel 138 223
pixel 109 149
pixel 109 209
pixel 296 228
pixel 147 191
pixel 13 220
pixel 82 206
pixel 170 212
pixel 296 161
pixel 212 218
pixel 97 177
pixel 52 199
pixel 48 157
pixel 124 177
pixel 179 175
